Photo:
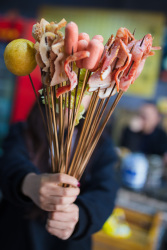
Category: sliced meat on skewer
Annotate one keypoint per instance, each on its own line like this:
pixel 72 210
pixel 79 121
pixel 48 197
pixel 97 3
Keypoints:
pixel 71 74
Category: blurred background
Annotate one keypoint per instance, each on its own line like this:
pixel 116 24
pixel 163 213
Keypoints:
pixel 139 124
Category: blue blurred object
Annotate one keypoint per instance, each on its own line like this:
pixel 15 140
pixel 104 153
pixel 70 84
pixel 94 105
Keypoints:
pixel 134 170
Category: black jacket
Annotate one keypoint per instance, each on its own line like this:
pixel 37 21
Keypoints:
pixel 99 185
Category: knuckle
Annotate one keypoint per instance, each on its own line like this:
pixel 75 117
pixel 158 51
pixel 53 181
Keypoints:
pixel 55 207
pixel 65 234
pixel 60 178
pixel 71 225
pixel 50 230
pixel 55 217
pixel 65 192
pixel 75 219
pixel 78 191
pixel 61 201
pixel 76 209
pixel 49 223
pixel 41 202
pixel 41 190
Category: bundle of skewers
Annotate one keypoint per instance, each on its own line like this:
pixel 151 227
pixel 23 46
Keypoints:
pixel 75 68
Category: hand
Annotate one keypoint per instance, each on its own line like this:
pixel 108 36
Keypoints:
pixel 46 192
pixel 62 223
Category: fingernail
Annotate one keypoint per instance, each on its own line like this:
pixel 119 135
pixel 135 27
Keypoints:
pixel 78 185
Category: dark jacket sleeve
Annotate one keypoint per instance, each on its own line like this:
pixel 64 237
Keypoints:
pixel 97 198
pixel 14 166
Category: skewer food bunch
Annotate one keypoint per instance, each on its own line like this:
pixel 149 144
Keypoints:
pixel 73 68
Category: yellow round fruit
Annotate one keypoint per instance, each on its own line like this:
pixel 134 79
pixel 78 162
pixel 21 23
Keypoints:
pixel 19 57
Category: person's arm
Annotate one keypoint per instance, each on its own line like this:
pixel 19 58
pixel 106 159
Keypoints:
pixel 22 184
pixel 14 166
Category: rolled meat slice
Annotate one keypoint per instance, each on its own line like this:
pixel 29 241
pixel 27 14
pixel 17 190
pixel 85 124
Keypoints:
pixel 71 74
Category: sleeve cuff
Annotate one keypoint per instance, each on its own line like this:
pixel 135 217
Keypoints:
pixel 19 198
pixel 83 222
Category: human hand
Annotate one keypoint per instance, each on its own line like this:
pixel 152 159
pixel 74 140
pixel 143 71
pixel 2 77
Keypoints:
pixel 46 192
pixel 61 223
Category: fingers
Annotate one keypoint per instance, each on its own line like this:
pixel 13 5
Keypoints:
pixel 52 196
pixel 53 207
pixel 65 216
pixel 56 203
pixel 62 234
pixel 61 200
pixel 64 178
pixel 62 224
pixel 61 191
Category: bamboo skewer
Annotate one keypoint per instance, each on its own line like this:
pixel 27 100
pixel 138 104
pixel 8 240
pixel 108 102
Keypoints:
pixel 95 124
pixel 60 116
pixel 92 147
pixel 48 122
pixel 78 106
pixel 51 129
pixel 68 133
pixel 84 138
pixel 56 149
pixel 76 93
pixel 82 132
pixel 62 161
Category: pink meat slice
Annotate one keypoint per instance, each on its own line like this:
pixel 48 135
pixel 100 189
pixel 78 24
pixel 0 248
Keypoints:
pixel 124 58
pixel 139 55
pixel 72 76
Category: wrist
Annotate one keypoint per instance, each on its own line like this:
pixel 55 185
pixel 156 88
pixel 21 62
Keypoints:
pixel 27 184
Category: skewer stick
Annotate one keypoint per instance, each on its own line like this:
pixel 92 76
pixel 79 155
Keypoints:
pixel 51 130
pixel 78 106
pixel 99 117
pixel 39 106
pixel 60 116
pixel 88 127
pixel 68 133
pixel 76 93
pixel 48 122
pixel 82 132
pixel 55 126
pixel 72 118
pixel 63 146
pixel 96 123
pixel 92 147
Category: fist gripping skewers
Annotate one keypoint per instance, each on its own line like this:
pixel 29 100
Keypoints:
pixel 75 66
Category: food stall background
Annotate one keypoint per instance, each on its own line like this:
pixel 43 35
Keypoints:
pixel 105 17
